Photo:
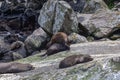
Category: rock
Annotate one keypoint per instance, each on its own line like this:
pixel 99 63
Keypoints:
pixel 90 38
pixel 92 6
pixel 4 26
pixel 58 16
pixel 17 17
pixel 104 39
pixel 4 48
pixel 76 38
pixel 117 7
pixel 29 20
pixel 13 38
pixel 101 23
pixel 35 41
pixel 5 7
pixel 35 52
pixel 14 7
pixel 16 56
pixel 14 24
pixel 11 56
pixel 87 6
pixel 77 5
pixel 116 59
pixel 35 4
pixel 1 3
pixel 83 20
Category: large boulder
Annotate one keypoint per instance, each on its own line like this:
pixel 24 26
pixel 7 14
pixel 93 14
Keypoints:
pixel 92 6
pixel 58 16
pixel 102 23
pixel 35 41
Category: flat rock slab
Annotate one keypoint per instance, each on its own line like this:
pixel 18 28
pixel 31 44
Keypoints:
pixel 48 67
pixel 103 47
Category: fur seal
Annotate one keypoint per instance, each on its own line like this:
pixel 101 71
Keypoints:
pixel 16 45
pixel 14 67
pixel 19 47
pixel 54 48
pixel 60 38
pixel 74 59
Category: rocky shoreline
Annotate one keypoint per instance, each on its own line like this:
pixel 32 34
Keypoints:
pixel 92 26
pixel 44 68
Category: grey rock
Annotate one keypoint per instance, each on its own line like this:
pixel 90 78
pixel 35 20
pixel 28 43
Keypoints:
pixel 77 5
pixel 11 56
pixel 101 23
pixel 92 6
pixel 58 16
pixel 76 38
pixel 4 48
pixel 116 59
pixel 35 40
pixel 87 6
pixel 35 4
pixel 117 7
pixel 84 18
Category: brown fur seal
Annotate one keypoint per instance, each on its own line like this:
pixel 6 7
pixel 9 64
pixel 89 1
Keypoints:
pixel 18 47
pixel 60 38
pixel 54 48
pixel 14 67
pixel 74 59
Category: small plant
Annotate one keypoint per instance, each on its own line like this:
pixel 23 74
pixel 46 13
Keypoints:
pixel 110 3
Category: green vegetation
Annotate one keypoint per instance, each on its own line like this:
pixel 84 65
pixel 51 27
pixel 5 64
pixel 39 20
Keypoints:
pixel 110 3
